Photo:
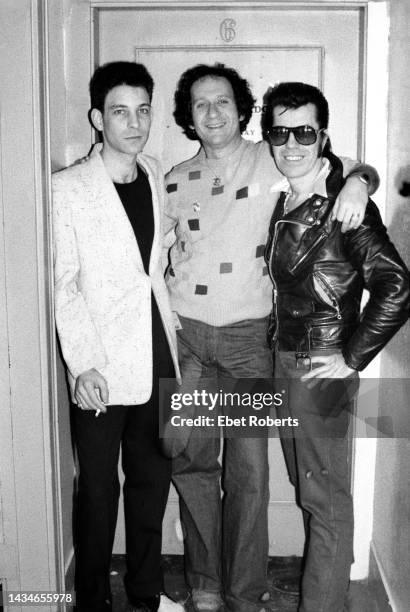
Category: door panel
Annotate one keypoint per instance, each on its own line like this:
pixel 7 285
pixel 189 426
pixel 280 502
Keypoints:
pixel 167 141
pixel 266 45
pixel 317 46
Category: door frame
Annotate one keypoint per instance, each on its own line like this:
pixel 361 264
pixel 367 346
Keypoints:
pixel 373 146
pixel 30 509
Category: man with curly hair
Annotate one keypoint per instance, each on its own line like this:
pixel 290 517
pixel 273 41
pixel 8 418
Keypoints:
pixel 220 203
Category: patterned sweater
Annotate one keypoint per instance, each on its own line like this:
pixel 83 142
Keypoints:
pixel 220 211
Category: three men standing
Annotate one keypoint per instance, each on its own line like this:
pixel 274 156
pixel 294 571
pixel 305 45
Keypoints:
pixel 118 338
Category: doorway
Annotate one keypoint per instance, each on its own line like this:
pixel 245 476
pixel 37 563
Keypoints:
pixel 323 44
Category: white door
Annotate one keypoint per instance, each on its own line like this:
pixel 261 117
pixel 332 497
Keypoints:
pixel 266 45
pixel 318 45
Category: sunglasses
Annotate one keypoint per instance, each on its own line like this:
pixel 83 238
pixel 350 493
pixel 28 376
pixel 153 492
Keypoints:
pixel 304 134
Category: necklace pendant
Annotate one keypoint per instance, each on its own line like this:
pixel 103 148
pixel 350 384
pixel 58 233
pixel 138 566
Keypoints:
pixel 217 181
pixel 196 206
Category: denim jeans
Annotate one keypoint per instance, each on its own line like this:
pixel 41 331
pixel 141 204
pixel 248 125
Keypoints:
pixel 318 457
pixel 226 540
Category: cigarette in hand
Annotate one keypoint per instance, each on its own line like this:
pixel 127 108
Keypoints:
pixel 97 412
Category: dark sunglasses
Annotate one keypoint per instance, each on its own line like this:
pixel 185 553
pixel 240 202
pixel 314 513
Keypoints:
pixel 304 134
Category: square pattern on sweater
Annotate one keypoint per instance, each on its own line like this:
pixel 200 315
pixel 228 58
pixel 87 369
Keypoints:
pixel 222 220
pixel 217 190
pixel 242 193
pixel 225 267
pixel 201 289
pixel 193 225
pixel 260 250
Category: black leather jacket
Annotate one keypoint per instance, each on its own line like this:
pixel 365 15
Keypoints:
pixel 319 275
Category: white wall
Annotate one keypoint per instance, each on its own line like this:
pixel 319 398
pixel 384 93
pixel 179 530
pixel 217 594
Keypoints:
pixel 29 549
pixel 391 531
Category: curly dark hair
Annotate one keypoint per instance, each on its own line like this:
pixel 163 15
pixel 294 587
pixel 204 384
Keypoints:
pixel 243 97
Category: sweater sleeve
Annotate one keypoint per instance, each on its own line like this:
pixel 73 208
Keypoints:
pixel 353 167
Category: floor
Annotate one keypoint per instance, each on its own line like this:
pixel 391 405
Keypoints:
pixel 278 568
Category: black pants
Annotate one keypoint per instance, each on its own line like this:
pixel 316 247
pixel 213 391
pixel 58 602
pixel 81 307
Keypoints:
pixel 147 480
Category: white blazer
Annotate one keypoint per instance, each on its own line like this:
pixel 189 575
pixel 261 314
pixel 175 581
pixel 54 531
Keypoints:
pixel 102 293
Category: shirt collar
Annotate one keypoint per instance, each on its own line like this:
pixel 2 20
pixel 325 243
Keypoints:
pixel 319 186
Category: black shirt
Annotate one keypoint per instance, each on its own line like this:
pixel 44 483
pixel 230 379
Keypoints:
pixel 136 197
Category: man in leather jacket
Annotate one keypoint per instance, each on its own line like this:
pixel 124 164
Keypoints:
pixel 319 275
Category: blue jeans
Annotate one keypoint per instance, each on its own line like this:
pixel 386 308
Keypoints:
pixel 226 540
pixel 318 458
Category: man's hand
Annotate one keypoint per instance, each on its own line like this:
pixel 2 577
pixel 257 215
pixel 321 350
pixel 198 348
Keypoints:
pixel 351 204
pixel 334 366
pixel 91 391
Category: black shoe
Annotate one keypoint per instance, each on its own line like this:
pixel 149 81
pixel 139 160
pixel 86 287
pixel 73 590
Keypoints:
pixel 158 603
pixel 105 606
pixel 146 604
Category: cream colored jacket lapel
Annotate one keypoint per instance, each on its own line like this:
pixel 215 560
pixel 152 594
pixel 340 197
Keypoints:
pixel 102 294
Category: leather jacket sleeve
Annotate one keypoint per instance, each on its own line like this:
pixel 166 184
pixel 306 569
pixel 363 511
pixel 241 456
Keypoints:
pixel 386 278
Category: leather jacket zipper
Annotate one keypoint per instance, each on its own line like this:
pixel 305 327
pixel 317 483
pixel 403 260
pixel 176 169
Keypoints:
pixel 309 330
pixel 322 236
pixel 275 287
pixel 328 291
pixel 275 299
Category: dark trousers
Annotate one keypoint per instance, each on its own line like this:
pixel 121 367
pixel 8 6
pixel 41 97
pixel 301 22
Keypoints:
pixel 318 458
pixel 147 480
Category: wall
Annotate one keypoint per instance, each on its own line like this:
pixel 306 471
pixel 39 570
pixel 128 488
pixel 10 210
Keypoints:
pixel 58 21
pixel 391 531
pixel 30 542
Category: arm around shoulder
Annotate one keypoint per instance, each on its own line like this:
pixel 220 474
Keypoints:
pixel 361 180
pixel 364 172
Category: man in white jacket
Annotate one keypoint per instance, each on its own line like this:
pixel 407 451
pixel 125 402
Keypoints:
pixel 117 337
